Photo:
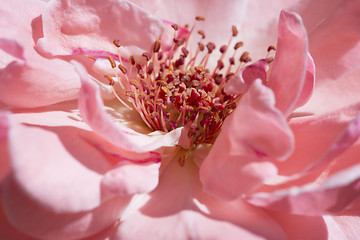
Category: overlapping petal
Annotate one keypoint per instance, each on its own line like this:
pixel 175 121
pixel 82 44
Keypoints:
pixel 288 73
pixel 255 131
pixel 75 26
pixel 178 209
pixel 26 78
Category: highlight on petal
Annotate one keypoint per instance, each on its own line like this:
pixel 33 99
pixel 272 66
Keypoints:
pixel 288 73
pixel 255 131
pixel 337 193
pixel 92 111
pixel 74 24
pixel 129 178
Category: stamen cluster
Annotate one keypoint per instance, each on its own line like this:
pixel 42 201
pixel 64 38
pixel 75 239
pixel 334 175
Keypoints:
pixel 174 88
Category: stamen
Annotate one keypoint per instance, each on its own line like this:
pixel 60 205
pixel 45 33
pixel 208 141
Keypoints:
pixel 112 62
pixel 116 42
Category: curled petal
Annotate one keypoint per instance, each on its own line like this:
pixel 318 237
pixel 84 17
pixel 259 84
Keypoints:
pixel 92 111
pixel 74 24
pixel 338 192
pixel 289 67
pixel 240 83
pixel 255 131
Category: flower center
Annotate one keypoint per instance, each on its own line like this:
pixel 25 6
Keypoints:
pixel 173 87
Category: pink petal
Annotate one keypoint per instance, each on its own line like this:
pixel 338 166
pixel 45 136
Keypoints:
pixel 299 227
pixel 239 155
pixel 7 231
pixel 338 192
pixel 177 208
pixel 13 48
pixel 4 159
pixel 27 216
pixel 318 140
pixel 340 55
pixel 289 67
pixel 216 26
pixel 94 25
pixel 128 178
pixel 26 78
pixel 241 82
pixel 314 12
pixel 92 111
pixel 337 68
pixel 309 83
pixel 54 188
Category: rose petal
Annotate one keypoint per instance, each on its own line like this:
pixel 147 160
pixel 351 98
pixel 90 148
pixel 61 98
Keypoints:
pixel 92 111
pixel 178 208
pixel 56 177
pixel 4 159
pixel 47 165
pixel 216 26
pixel 340 55
pixel 248 135
pixel 309 83
pixel 128 178
pixel 318 140
pixel 299 227
pixel 289 67
pixel 74 24
pixel 29 80
pixel 241 82
pixel 338 192
pixel 26 215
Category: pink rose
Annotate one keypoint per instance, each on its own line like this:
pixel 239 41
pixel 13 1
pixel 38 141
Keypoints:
pixel 250 149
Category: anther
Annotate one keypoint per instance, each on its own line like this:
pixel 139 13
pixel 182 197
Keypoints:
pixel 156 47
pixel 244 56
pixel 200 18
pixel 234 31
pixel 175 27
pixel 160 55
pixel 223 48
pixel 111 81
pixel 147 56
pixel 232 61
pixel 202 33
pixel 177 41
pixel 238 44
pixel 150 68
pixel 271 48
pixel 201 46
pixel 112 62
pixel 122 69
pixel 132 60
pixel 269 60
pixel 220 64
pixel 185 51
pixel 139 68
pixel 210 46
pixel 116 42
